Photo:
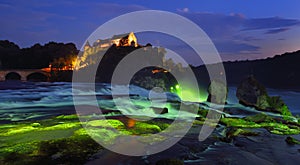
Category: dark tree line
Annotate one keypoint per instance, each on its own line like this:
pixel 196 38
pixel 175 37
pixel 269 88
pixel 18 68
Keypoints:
pixel 35 57
pixel 280 71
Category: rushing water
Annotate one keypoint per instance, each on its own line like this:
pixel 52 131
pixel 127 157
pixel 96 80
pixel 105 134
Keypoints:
pixel 33 100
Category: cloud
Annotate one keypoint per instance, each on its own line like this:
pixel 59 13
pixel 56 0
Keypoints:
pixel 225 32
pixel 275 31
pixel 27 24
pixel 184 10
pixel 238 35
pixel 269 23
pixel 247 38
pixel 220 25
pixel 5 6
pixel 233 47
pixel 112 9
pixel 216 25
pixel 235 35
pixel 67 19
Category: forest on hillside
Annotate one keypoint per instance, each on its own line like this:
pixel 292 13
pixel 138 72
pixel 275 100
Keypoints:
pixel 280 71
pixel 37 56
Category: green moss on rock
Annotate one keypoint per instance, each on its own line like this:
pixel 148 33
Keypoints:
pixel 67 117
pixel 262 122
pixel 237 122
pixel 62 140
pixel 259 118
pixel 233 132
pixel 292 141
pixel 145 128
pixel 252 93
pixel 73 150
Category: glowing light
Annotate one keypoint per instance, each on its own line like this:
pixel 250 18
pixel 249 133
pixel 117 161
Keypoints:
pixel 130 123
pixel 188 94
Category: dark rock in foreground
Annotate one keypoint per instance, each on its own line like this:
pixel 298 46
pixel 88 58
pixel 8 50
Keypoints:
pixel 261 148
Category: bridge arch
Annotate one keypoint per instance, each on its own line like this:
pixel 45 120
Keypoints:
pixel 36 76
pixel 25 75
pixel 13 76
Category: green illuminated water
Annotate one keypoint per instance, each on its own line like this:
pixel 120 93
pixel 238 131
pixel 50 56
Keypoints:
pixel 188 93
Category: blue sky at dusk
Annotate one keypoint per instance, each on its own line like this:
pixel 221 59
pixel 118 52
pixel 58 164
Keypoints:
pixel 240 29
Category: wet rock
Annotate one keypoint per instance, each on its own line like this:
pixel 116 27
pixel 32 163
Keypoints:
pixel 239 111
pixel 217 92
pixel 149 82
pixel 232 132
pixel 169 162
pixel 260 118
pixel 252 93
pixel 160 110
pixel 278 106
pixel 292 141
pixel 35 124
pixel 202 112
pixel 56 156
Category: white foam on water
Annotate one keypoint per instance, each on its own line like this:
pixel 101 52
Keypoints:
pixel 34 97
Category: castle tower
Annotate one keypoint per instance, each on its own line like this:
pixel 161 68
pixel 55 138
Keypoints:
pixel 87 45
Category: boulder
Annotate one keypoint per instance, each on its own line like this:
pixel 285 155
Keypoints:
pixel 252 93
pixel 291 141
pixel 217 92
pixel 160 110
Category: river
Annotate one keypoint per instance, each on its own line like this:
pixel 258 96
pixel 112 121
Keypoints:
pixel 21 101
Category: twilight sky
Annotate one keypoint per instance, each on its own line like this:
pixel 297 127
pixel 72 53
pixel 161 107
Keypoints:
pixel 240 29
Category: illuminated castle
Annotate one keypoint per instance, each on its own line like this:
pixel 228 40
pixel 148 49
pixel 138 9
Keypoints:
pixel 120 40
pixel 127 39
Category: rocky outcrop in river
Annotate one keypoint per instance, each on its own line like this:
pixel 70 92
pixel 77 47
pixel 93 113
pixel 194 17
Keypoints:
pixel 217 92
pixel 252 93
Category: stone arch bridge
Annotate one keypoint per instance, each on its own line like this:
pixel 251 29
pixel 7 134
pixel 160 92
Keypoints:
pixel 24 74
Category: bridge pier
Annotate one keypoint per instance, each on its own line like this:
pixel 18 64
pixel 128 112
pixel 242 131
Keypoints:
pixel 2 77
pixel 23 78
